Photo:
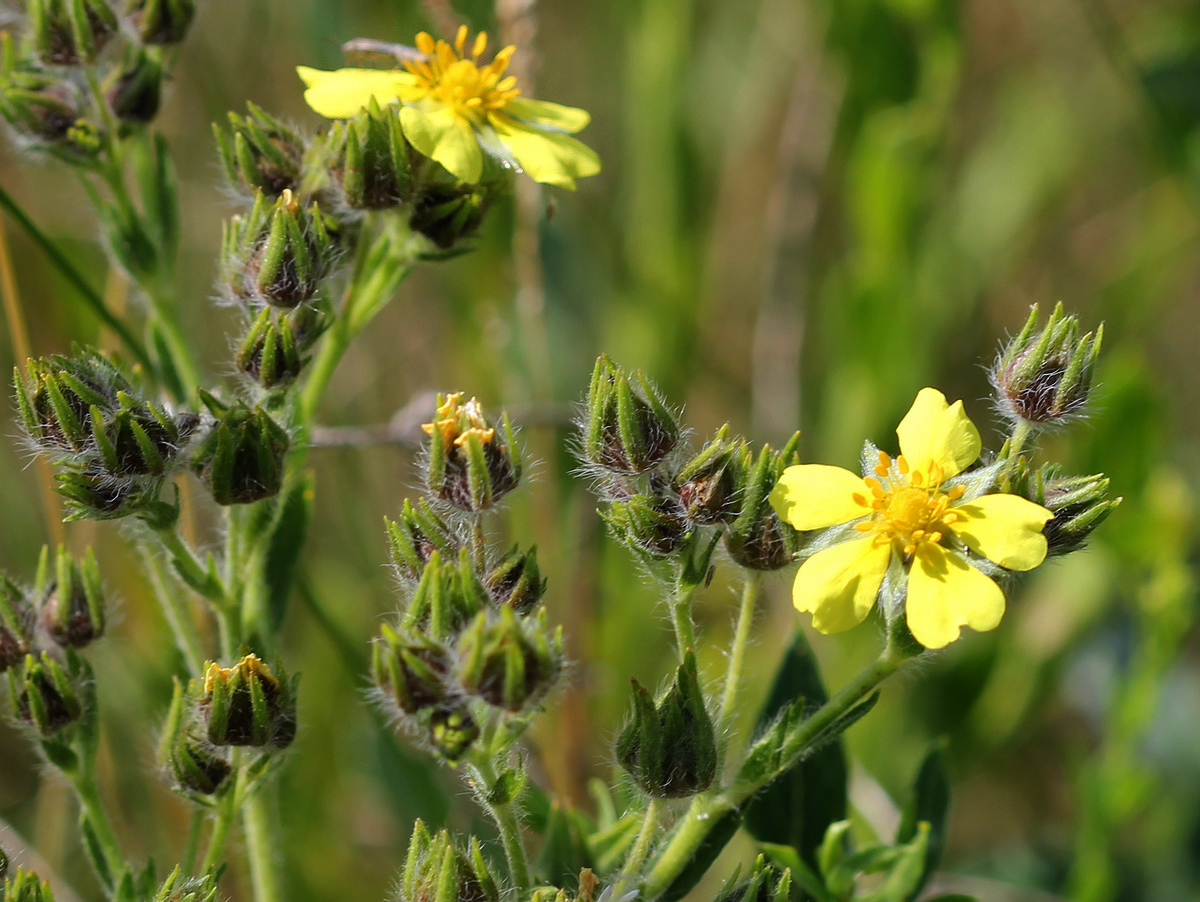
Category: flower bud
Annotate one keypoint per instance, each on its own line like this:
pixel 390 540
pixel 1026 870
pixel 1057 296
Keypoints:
pixel 57 395
pixel 138 438
pixel 240 458
pixel 448 214
pixel 757 538
pixel 516 581
pixel 707 485
pixel 452 731
pixel 70 32
pixel 260 153
pixel 1079 503
pixel 472 463
pixel 507 661
pixel 39 107
pixel 247 705
pixel 16 624
pixel 278 253
pixel 135 90
pixel 446 599
pixel 26 886
pixel 193 889
pixel 196 768
pixel 161 21
pixel 1044 376
pixel 436 871
pixel 72 608
pixel 651 526
pixel 416 535
pixel 628 427
pixel 764 884
pixel 410 669
pixel 92 494
pixel 46 695
pixel 371 160
pixel 670 749
pixel 273 351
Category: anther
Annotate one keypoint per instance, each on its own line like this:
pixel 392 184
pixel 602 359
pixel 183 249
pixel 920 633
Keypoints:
pixel 860 499
pixel 902 465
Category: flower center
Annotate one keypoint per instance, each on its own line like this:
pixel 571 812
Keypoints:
pixel 906 507
pixel 456 79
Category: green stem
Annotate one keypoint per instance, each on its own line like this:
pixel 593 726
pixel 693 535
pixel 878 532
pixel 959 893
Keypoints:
pixel 191 847
pixel 198 577
pixel 737 651
pixel 681 616
pixel 641 846
pixel 172 599
pixel 92 808
pixel 261 846
pixel 514 845
pixel 1016 443
pixel 708 808
pixel 222 822
pixel 90 296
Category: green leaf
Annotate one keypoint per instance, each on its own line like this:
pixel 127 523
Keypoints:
pixel 798 807
pixel 706 854
pixel 929 803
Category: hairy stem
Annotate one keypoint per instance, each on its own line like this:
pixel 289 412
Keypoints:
pixel 260 846
pixel 737 651
pixel 681 615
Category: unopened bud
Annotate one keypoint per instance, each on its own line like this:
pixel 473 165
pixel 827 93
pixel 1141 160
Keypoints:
pixel 196 768
pixel 757 538
pixel 26 886
pixel 56 396
pixel 47 695
pixel 92 494
pixel 274 351
pixel 193 889
pixel 507 661
pixel 655 527
pixel 70 32
pixel 260 153
pixel 370 159
pixel 516 581
pixel 628 427
pixel 135 90
pixel 452 731
pixel 240 458
pixel 247 705
pixel 1079 503
pixel 670 748
pixel 447 598
pixel 708 483
pixel 436 871
pixel 1044 376
pixel 279 253
pixel 472 461
pixel 16 624
pixel 72 610
pixel 416 535
pixel 410 670
pixel 39 107
pixel 764 884
pixel 448 214
pixel 161 21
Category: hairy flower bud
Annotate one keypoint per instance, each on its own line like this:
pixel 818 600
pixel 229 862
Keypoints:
pixel 246 704
pixel 757 538
pixel 370 159
pixel 1044 376
pixel 765 883
pixel 46 695
pixel 507 661
pixel 92 494
pixel 73 605
pixel 708 483
pixel 628 428
pixel 69 32
pixel 161 21
pixel 134 91
pixel 516 581
pixel 416 535
pixel 273 353
pixel 196 768
pixel 279 253
pixel 448 596
pixel 26 886
pixel 472 462
pixel 260 153
pixel 654 527
pixel 193 889
pixel 436 871
pixel 410 670
pixel 16 624
pixel 670 749
pixel 1079 503
pixel 240 458
pixel 41 107
pixel 56 397
pixel 450 213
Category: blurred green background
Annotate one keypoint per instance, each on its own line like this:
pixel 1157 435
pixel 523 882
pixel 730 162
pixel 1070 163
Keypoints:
pixel 808 211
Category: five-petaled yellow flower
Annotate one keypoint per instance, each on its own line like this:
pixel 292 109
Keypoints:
pixel 453 105
pixel 905 513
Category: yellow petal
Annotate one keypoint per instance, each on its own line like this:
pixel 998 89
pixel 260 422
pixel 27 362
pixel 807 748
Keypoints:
pixel 444 138
pixel 945 593
pixel 540 112
pixel 838 586
pixel 1005 529
pixel 936 432
pixel 345 92
pixel 815 496
pixel 548 157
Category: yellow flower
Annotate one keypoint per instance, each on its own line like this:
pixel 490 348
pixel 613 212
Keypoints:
pixel 453 105
pixel 907 515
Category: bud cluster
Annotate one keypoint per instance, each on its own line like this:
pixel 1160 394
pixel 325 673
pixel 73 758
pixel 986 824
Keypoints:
pixel 23 886
pixel 765 883
pixel 659 502
pixel 435 870
pixel 472 642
